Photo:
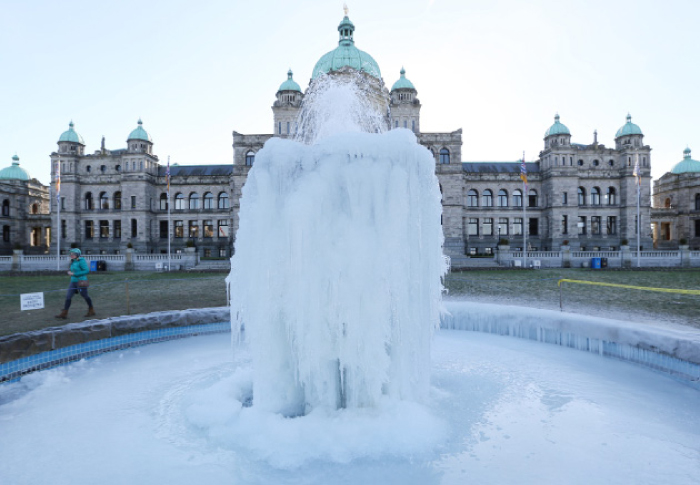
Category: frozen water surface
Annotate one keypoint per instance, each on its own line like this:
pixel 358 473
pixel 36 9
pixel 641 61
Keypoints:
pixel 500 410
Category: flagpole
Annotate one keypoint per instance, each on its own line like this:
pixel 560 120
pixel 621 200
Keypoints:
pixel 58 214
pixel 639 219
pixel 167 176
pixel 523 170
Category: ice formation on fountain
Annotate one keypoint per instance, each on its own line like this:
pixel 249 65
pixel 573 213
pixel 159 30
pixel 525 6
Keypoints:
pixel 335 283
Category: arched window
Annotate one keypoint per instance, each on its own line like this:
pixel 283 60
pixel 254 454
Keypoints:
pixel 88 201
pixel 88 169
pixel 581 196
pixel 104 200
pixel 118 168
pixel 179 201
pixel 596 163
pixel 612 196
pixel 532 198
pixel 208 201
pixel 473 198
pixel 164 202
pixel 697 202
pixel 517 198
pixel 444 155
pixel 117 201
pixel 35 208
pixel 223 200
pixel 667 203
pixel 502 198
pixel 595 196
pixel 487 198
pixel 194 201
pixel 250 158
pixel 6 208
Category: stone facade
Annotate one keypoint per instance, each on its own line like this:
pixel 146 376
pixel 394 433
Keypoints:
pixel 24 216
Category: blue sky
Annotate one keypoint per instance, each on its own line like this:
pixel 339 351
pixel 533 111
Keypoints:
pixel 196 71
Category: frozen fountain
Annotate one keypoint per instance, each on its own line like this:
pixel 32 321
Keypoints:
pixel 336 375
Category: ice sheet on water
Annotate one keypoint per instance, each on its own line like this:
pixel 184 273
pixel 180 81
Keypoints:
pixel 336 275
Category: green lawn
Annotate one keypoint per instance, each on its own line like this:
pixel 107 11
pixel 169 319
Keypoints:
pixel 122 293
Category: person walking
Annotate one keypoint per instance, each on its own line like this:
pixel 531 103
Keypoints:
pixel 78 283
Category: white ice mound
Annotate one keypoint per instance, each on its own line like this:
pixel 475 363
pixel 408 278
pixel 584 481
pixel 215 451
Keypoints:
pixel 336 276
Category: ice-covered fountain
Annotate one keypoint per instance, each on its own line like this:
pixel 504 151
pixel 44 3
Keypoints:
pixel 336 375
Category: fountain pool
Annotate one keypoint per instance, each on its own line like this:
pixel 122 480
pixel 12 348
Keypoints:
pixel 501 410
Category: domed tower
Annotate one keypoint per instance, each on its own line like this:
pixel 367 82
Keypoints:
pixel 139 141
pixel 557 135
pixel 629 135
pixel 687 165
pixel 14 171
pixel 286 107
pixel 405 106
pixel 70 142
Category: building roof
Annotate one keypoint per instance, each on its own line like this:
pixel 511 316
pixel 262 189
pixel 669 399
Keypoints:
pixel 629 128
pixel 139 133
pixel 557 128
pixel 14 171
pixel 687 165
pixel 290 84
pixel 499 167
pixel 196 170
pixel 403 83
pixel 346 55
pixel 71 135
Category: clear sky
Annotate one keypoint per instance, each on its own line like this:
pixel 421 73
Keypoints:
pixel 196 71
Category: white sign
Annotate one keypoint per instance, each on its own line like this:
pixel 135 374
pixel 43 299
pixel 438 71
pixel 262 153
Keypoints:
pixel 32 301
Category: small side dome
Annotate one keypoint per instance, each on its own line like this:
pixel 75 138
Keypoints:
pixel 629 128
pixel 403 83
pixel 71 135
pixel 140 134
pixel 687 165
pixel 14 171
pixel 557 128
pixel 290 84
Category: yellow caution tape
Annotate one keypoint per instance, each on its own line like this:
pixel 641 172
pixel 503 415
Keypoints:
pixel 644 288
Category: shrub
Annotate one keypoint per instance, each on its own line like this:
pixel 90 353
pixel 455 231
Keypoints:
pixel 503 242
pixel 625 242
pixel 189 243
pixel 683 241
pixel 129 245
pixel 565 242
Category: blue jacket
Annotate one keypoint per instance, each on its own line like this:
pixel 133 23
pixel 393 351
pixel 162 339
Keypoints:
pixel 80 270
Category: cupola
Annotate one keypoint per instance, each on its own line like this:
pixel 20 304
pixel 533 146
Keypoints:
pixel 629 134
pixel 14 171
pixel 557 134
pixel 71 142
pixel 139 140
pixel 687 165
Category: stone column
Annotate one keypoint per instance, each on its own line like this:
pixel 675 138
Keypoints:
pixel 503 254
pixel 685 255
pixel 626 256
pixel 17 259
pixel 566 256
pixel 129 261
pixel 190 258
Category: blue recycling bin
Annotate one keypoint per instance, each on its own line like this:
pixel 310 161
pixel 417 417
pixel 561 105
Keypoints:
pixel 595 263
pixel 93 265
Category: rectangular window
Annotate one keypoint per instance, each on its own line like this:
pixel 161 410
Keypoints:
pixel 488 226
pixel 473 227
pixel 697 227
pixel 133 202
pixel 533 228
pixel 193 230
pixel 164 202
pixel 63 203
pixel 6 233
pixel 208 228
pixel 565 224
pixel 179 229
pixel 134 228
pixel 636 224
pixel 612 225
pixel 207 252
pixel 222 252
pixel 63 229
pixel 288 127
pixel 88 229
pixel 117 229
pixel 595 225
pixel 488 251
pixel 517 226
pixel 223 228
pixel 582 225
pixel 163 229
pixel 564 198
pixel 502 226
pixel 472 251
pixel 279 128
pixel 104 229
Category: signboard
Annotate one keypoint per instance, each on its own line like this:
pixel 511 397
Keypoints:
pixel 32 301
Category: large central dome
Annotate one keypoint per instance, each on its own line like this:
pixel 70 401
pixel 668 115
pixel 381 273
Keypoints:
pixel 346 55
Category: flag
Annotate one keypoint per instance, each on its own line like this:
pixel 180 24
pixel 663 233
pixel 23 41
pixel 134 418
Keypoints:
pixel 167 177
pixel 523 173
pixel 637 173
pixel 58 182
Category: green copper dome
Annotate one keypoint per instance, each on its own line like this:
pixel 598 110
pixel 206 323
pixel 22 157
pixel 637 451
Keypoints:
pixel 628 128
pixel 557 128
pixel 71 135
pixel 140 134
pixel 403 83
pixel 346 55
pixel 687 165
pixel 290 84
pixel 14 172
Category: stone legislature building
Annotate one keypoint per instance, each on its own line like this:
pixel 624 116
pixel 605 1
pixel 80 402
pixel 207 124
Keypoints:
pixel 583 195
